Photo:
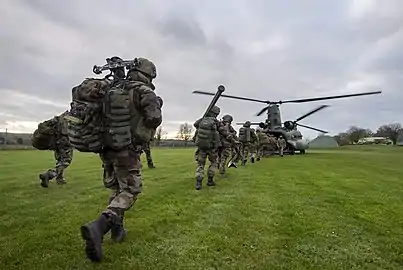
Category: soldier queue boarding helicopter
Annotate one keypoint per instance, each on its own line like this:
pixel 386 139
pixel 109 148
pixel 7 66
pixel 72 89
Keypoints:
pixel 288 129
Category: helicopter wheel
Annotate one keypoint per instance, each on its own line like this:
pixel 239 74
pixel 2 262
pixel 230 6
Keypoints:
pixel 302 151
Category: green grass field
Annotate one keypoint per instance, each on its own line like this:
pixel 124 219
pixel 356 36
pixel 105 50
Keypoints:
pixel 329 209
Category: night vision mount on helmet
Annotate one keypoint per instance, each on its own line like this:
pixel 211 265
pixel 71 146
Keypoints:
pixel 288 129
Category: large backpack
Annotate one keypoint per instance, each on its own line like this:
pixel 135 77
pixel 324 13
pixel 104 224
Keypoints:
pixel 207 134
pixel 85 119
pixel 244 134
pixel 103 115
pixel 45 136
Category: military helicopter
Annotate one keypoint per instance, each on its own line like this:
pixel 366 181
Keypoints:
pixel 288 129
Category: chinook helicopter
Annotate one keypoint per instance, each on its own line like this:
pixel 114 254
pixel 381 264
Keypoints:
pixel 288 129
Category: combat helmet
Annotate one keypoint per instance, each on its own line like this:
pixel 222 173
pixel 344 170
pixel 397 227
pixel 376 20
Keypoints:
pixel 227 118
pixel 146 67
pixel 215 110
pixel 247 124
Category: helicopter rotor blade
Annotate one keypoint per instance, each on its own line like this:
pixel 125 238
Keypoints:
pixel 234 97
pixel 316 129
pixel 262 111
pixel 328 97
pixel 311 112
pixel 252 124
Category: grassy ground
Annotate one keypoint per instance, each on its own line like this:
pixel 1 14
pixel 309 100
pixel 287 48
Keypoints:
pixel 333 209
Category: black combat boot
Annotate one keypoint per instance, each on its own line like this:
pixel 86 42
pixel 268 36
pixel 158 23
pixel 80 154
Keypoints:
pixel 46 177
pixel 118 233
pixel 93 234
pixel 210 182
pixel 258 159
pixel 150 165
pixel 252 159
pixel 199 183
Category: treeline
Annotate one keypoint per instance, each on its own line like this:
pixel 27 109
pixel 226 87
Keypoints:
pixel 354 134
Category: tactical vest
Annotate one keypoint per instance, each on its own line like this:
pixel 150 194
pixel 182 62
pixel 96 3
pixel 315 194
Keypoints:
pixel 124 123
pixel 224 141
pixel 207 133
pixel 244 134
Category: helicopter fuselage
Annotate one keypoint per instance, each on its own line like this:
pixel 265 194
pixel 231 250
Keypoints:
pixel 294 139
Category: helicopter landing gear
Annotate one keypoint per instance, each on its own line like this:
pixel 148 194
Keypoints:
pixel 302 152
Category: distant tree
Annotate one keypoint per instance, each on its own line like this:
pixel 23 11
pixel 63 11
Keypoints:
pixel 390 131
pixel 158 136
pixel 357 133
pixel 20 141
pixel 185 132
pixel 342 139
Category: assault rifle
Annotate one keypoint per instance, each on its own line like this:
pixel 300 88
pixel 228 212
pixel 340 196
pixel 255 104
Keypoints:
pixel 116 66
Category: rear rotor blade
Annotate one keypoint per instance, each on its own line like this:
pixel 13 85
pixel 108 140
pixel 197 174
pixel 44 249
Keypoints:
pixel 328 97
pixel 316 129
pixel 311 112
pixel 262 111
pixel 234 97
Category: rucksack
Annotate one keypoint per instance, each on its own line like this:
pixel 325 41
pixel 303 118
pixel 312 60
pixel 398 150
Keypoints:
pixel 103 115
pixel 45 136
pixel 244 134
pixel 85 127
pixel 207 134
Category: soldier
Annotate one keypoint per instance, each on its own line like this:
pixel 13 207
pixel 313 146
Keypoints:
pixel 226 146
pixel 146 146
pixel 246 137
pixel 209 130
pixel 122 168
pixel 63 152
pixel 253 145
pixel 281 143
pixel 264 144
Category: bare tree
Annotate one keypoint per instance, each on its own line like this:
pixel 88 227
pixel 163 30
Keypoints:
pixel 357 133
pixel 185 132
pixel 158 136
pixel 390 131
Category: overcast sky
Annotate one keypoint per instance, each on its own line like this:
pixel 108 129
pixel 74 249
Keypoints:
pixel 264 49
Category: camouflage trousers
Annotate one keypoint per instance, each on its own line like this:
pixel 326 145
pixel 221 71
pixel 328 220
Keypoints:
pixel 204 154
pixel 146 149
pixel 246 150
pixel 263 150
pixel 223 155
pixel 63 157
pixel 122 175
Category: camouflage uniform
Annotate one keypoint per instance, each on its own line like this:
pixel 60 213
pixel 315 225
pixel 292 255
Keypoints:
pixel 210 151
pixel 246 141
pixel 226 146
pixel 253 145
pixel 63 153
pixel 281 143
pixel 122 169
pixel 264 142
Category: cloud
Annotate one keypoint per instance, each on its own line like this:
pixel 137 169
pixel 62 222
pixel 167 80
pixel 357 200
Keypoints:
pixel 261 49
